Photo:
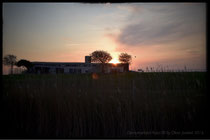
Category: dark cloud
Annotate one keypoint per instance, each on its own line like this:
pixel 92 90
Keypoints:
pixel 157 24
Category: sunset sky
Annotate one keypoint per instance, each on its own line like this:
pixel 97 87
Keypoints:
pixel 166 34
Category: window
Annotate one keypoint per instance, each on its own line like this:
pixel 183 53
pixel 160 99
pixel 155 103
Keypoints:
pixel 79 70
pixel 71 70
pixel 59 70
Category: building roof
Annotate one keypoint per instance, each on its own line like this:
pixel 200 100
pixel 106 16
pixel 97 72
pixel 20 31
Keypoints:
pixel 73 63
pixel 59 63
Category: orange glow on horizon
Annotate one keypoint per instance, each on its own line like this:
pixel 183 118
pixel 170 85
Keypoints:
pixel 114 61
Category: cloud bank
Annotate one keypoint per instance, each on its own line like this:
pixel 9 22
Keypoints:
pixel 152 24
pixel 165 33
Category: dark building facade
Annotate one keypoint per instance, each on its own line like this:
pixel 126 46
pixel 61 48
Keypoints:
pixel 87 67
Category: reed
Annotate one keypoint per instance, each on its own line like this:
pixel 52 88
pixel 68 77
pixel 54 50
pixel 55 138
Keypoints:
pixel 113 105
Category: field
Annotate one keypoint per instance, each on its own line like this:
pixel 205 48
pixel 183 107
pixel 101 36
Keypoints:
pixel 128 105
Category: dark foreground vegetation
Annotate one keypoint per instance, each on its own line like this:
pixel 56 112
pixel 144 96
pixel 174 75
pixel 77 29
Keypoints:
pixel 127 105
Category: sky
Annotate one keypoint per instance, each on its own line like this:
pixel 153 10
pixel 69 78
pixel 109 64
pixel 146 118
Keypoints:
pixel 169 35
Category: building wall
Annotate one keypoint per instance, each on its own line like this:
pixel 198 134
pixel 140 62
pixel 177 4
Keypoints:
pixel 78 68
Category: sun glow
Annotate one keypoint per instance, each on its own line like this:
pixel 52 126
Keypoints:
pixel 114 61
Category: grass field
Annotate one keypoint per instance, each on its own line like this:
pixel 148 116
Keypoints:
pixel 145 105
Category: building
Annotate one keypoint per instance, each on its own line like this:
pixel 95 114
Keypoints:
pixel 87 67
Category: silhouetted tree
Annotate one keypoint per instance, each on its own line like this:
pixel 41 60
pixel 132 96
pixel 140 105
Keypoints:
pixel 9 60
pixel 101 57
pixel 27 64
pixel 125 58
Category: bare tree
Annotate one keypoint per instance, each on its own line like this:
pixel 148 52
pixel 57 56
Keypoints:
pixel 9 60
pixel 125 58
pixel 101 57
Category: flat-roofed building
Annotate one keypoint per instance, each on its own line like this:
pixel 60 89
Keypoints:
pixel 70 67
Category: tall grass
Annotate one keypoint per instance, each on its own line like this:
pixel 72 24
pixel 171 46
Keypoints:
pixel 71 106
